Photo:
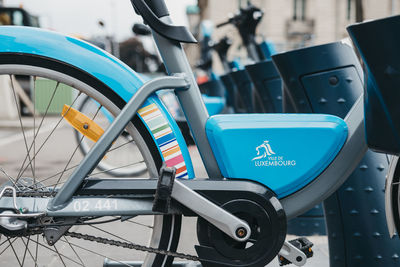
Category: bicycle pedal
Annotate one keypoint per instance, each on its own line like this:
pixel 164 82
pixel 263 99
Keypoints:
pixel 162 198
pixel 302 244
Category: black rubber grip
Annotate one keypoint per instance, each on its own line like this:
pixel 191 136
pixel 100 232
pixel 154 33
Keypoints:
pixel 172 32
pixel 223 23
pixel 158 7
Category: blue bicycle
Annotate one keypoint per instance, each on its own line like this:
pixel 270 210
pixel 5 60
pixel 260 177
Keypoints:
pixel 263 168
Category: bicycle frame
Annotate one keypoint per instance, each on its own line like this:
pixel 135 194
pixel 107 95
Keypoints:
pixel 189 96
pixel 324 185
pixel 190 99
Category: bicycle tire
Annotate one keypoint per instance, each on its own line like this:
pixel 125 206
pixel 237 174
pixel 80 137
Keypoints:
pixel 166 229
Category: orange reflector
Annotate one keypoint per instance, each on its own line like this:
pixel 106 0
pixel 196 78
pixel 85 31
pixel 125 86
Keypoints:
pixel 82 123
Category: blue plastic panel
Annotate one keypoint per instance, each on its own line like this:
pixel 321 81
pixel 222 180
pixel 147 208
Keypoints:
pixel 284 152
pixel 214 104
pixel 105 67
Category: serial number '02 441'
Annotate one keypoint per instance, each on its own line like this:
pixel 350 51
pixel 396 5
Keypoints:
pixel 101 204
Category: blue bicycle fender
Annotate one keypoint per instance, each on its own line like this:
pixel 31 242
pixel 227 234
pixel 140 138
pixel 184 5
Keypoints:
pixel 112 72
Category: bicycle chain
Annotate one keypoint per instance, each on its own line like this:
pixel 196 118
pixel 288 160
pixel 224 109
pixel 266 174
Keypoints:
pixel 128 245
pixel 33 194
pixel 110 241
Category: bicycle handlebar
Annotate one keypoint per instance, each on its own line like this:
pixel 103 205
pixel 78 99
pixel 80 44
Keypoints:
pixel 246 21
pixel 223 23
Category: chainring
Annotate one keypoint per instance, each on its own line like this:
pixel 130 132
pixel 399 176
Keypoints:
pixel 268 232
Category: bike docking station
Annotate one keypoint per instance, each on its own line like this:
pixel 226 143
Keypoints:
pixel 233 98
pixel 268 84
pixel 247 91
pixel 329 79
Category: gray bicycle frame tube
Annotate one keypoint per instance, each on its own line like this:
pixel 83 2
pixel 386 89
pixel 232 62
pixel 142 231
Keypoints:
pixel 84 206
pixel 324 185
pixel 220 218
pixel 196 114
pixel 94 156
pixel 337 172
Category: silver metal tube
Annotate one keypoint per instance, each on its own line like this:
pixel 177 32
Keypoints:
pixel 100 148
pixel 175 61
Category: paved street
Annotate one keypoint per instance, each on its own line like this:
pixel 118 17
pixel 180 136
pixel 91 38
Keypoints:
pixel 52 160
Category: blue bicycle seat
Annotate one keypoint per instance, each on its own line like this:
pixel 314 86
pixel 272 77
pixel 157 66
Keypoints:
pixel 284 152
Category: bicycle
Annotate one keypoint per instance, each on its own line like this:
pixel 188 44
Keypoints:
pixel 241 209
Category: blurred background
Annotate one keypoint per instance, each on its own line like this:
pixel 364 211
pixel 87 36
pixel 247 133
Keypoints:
pixel 287 24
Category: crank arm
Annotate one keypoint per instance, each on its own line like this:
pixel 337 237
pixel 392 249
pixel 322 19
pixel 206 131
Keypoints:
pixel 293 254
pixel 217 216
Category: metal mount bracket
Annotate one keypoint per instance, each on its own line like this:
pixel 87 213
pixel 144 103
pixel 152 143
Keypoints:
pixel 19 212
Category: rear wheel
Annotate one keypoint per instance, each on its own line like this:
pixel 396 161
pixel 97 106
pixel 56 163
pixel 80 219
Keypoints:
pixel 122 157
pixel 41 148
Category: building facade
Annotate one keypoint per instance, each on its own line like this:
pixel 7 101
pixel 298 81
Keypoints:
pixel 297 23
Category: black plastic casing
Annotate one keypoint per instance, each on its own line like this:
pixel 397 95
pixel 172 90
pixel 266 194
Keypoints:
pixel 378 43
pixel 158 7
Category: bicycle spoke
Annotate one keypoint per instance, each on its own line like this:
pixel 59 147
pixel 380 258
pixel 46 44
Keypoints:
pixel 72 167
pixel 66 166
pixel 52 176
pixel 141 224
pixel 8 239
pixel 43 187
pixel 124 144
pixel 8 176
pixel 27 250
pixel 69 244
pixel 36 250
pixel 2 243
pixel 40 124
pixel 36 156
pixel 116 168
pixel 48 137
pixel 54 251
pixel 15 253
pixel 21 125
pixel 73 153
pixel 59 255
pixel 98 254
pixel 107 232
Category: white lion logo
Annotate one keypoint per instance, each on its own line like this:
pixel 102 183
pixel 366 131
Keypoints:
pixel 267 150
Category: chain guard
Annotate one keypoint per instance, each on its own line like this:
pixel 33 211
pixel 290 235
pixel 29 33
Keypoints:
pixel 268 226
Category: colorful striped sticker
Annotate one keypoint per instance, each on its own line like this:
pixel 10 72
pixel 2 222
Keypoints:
pixel 165 138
